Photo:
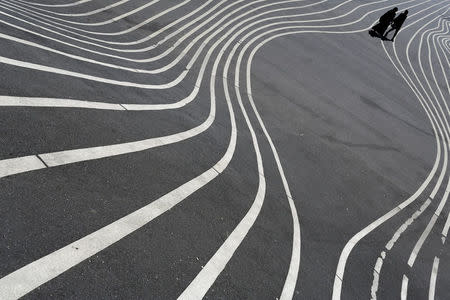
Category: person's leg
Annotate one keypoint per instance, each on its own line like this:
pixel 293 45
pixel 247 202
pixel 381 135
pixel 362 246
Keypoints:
pixel 395 33
pixel 386 34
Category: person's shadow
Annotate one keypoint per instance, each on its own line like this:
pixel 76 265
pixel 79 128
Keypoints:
pixel 375 34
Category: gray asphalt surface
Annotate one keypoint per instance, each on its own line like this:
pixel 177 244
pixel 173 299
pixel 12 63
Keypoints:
pixel 363 147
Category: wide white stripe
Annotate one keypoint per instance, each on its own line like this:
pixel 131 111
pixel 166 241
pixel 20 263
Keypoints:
pixel 55 102
pixel 18 165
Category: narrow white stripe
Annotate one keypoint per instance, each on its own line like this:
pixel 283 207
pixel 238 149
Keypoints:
pixel 57 5
pixel 426 232
pixel 89 13
pixel 433 278
pixel 209 273
pixel 446 226
pixel 404 291
pixel 361 234
pixel 406 224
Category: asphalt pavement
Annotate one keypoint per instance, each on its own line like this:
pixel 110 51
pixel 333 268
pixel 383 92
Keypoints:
pixel 223 149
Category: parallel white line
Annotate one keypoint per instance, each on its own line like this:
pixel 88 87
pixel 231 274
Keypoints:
pixel 442 66
pixel 23 12
pixel 57 5
pixel 160 56
pixel 106 22
pixel 337 287
pixel 200 26
pixel 433 278
pixel 390 244
pixel 29 277
pixel 89 13
pixel 446 128
pixel 408 222
pixel 183 74
pixel 209 273
pixel 433 71
pixel 154 34
pixel 77 155
pixel 219 166
pixel 294 266
pixel 426 232
pixel 133 28
pixel 415 215
pixel 39 16
pixel 84 154
pixel 169 26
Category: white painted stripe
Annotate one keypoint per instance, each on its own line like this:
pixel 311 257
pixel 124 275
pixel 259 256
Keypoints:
pixel 29 12
pixel 426 232
pixel 29 65
pixel 89 13
pixel 446 226
pixel 54 102
pixel 77 155
pixel 337 287
pixel 294 265
pixel 433 278
pixel 406 224
pixel 29 277
pixel 57 5
pixel 163 29
pixel 204 280
pixel 19 165
pixel 48 69
pixel 433 220
pixel 404 291
pixel 219 165
pixel 209 273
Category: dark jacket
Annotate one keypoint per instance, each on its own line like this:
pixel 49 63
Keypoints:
pixel 398 22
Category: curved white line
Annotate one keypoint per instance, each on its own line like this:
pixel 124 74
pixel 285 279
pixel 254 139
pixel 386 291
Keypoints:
pixel 408 222
pixel 433 279
pixel 58 5
pixel 85 14
pixel 337 287
pixel 209 273
pixel 145 213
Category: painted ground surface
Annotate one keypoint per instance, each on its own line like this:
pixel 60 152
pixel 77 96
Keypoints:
pixel 223 149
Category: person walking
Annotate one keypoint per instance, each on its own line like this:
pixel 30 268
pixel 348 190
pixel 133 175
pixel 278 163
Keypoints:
pixel 397 24
pixel 384 21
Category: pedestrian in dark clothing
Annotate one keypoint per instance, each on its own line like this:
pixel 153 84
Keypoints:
pixel 397 23
pixel 384 21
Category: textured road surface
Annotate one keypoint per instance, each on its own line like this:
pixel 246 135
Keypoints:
pixel 223 149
